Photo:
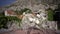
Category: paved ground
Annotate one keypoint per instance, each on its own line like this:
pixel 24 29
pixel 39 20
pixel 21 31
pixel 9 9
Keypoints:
pixel 58 32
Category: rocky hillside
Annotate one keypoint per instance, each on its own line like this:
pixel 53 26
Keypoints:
pixel 34 5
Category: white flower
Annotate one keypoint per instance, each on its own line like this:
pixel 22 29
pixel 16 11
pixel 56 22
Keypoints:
pixel 37 21
pixel 24 13
pixel 38 15
pixel 30 19
pixel 43 18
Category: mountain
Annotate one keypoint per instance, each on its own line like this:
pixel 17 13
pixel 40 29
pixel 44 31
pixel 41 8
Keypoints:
pixel 34 5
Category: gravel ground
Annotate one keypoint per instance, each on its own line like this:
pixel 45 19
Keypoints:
pixel 31 31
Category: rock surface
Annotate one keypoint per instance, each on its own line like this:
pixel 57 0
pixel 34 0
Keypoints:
pixel 35 6
pixel 31 31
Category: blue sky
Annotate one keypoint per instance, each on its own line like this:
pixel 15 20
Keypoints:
pixel 6 2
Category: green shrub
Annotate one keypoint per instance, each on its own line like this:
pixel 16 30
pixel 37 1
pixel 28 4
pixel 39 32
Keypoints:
pixel 4 20
pixel 23 10
pixel 50 14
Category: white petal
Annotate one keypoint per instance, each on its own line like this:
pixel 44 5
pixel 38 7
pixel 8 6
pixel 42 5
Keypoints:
pixel 37 21
pixel 38 15
pixel 30 19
